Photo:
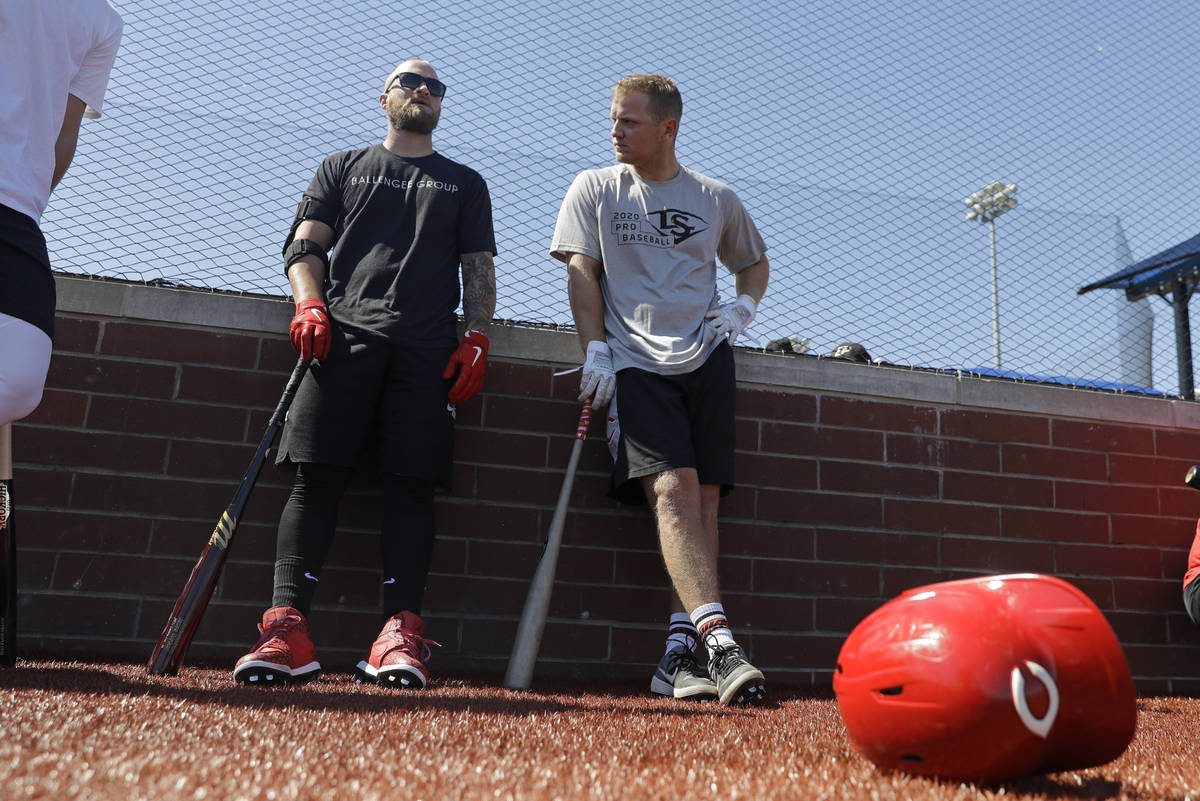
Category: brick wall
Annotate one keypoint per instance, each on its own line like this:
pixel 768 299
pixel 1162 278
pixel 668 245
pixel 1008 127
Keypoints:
pixel 857 482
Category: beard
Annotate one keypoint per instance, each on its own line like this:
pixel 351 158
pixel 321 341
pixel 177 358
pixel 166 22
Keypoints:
pixel 412 117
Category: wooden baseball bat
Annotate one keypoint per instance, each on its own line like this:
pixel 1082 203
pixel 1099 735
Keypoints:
pixel 537 602
pixel 185 617
pixel 8 554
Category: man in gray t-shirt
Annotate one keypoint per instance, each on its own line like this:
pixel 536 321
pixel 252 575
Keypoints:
pixel 641 240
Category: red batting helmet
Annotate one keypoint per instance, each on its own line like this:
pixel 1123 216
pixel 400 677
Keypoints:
pixel 986 679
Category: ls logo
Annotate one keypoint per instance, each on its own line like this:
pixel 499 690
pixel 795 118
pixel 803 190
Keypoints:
pixel 679 224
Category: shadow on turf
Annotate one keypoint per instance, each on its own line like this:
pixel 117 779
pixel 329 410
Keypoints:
pixel 339 691
pixel 1097 788
pixel 1047 787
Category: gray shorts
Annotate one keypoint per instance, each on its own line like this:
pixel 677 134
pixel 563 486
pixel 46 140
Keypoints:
pixel 374 398
pixel 671 421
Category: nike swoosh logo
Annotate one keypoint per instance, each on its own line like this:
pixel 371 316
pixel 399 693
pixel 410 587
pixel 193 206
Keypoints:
pixel 478 353
pixel 311 577
pixel 390 581
pixel 317 314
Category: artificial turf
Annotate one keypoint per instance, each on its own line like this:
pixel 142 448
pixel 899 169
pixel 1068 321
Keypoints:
pixel 75 730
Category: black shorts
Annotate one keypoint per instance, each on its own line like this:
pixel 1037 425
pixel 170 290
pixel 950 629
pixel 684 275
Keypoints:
pixel 671 421
pixel 27 284
pixel 1191 600
pixel 372 394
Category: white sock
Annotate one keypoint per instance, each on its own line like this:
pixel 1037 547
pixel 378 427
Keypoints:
pixel 713 626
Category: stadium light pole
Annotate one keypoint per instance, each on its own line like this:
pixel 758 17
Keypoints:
pixel 985 206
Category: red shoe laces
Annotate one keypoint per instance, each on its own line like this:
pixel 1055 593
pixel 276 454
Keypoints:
pixel 278 630
pixel 410 644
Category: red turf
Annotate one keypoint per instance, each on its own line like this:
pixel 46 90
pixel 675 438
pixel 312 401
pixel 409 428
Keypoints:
pixel 96 731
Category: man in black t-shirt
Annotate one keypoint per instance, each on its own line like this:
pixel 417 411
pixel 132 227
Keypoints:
pixel 378 316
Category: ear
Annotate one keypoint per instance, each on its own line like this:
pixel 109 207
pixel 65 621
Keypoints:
pixel 670 128
pixel 383 101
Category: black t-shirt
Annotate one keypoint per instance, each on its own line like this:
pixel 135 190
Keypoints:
pixel 401 224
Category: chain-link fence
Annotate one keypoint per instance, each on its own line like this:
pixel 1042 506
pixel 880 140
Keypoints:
pixel 851 130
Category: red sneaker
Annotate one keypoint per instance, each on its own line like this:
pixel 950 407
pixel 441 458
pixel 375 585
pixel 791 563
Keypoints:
pixel 398 655
pixel 284 653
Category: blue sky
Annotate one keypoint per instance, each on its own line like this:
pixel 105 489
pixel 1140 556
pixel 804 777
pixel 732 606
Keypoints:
pixel 852 131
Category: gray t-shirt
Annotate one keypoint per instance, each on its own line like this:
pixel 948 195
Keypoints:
pixel 659 242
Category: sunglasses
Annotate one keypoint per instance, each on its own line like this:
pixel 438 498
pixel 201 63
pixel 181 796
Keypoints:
pixel 411 80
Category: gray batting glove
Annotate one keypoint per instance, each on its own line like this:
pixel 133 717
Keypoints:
pixel 599 381
pixel 733 318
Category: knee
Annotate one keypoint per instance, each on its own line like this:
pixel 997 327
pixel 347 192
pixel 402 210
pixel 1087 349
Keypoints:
pixel 317 476
pixel 678 480
pixel 408 490
pixel 675 489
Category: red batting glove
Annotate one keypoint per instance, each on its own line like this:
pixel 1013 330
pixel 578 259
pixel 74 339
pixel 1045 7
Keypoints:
pixel 470 359
pixel 310 330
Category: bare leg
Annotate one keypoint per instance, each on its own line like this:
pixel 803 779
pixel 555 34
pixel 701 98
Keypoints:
pixel 686 514
pixel 687 536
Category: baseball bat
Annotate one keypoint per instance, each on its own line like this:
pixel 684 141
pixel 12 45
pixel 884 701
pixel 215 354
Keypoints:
pixel 537 602
pixel 8 554
pixel 1192 478
pixel 185 617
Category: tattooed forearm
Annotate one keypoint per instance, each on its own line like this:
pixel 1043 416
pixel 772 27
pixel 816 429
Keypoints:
pixel 479 289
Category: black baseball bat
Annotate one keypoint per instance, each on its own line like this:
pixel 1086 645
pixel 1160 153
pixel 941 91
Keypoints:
pixel 185 617
pixel 8 554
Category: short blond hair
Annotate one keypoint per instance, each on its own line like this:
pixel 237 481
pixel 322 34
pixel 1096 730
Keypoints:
pixel 665 101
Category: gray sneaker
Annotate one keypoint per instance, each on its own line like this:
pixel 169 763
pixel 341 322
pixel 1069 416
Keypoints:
pixel 738 682
pixel 680 675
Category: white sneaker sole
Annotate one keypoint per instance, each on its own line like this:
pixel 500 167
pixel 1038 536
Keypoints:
pixel 261 673
pixel 403 677
pixel 748 688
pixel 660 687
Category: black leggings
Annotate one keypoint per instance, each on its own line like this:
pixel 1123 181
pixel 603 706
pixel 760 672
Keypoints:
pixel 1191 600
pixel 309 521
